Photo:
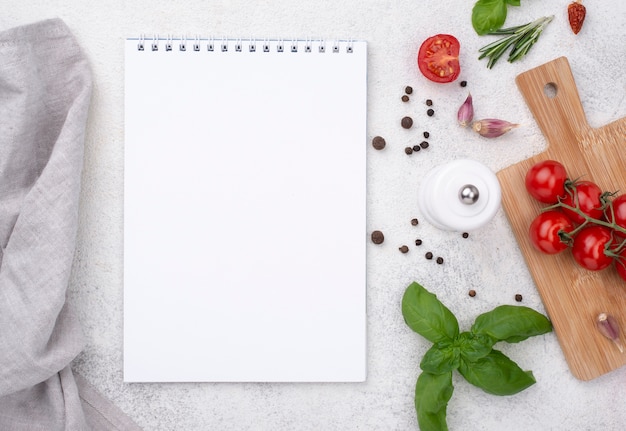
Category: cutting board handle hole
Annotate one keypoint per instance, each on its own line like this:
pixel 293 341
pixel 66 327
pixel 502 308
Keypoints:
pixel 550 90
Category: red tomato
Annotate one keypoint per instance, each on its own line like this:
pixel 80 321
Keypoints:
pixel 544 231
pixel 589 246
pixel 545 181
pixel 588 195
pixel 438 58
pixel 619 212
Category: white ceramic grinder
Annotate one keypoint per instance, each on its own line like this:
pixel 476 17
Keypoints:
pixel 460 195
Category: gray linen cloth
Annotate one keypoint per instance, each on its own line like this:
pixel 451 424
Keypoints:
pixel 45 91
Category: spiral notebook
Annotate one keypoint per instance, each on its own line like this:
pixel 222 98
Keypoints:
pixel 244 210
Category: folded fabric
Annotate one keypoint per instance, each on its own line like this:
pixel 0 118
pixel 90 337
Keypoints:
pixel 45 91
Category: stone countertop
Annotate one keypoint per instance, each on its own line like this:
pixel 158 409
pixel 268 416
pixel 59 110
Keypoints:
pixel 488 261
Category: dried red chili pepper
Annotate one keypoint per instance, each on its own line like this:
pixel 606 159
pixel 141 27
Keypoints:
pixel 576 12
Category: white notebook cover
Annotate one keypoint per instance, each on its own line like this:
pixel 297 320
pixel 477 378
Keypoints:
pixel 244 212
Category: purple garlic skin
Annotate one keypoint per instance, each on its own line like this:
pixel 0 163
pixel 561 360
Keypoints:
pixel 492 128
pixel 607 325
pixel 465 115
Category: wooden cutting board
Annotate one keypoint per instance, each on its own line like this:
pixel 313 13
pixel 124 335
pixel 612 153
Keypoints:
pixel 572 296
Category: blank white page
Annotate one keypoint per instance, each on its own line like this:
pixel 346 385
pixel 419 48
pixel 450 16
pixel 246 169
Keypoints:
pixel 244 212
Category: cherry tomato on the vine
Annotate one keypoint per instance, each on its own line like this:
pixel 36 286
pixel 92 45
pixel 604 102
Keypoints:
pixel 545 181
pixel 438 58
pixel 618 214
pixel 588 195
pixel 589 247
pixel 544 231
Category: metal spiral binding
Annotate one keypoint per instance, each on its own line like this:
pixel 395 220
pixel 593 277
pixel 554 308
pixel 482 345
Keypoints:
pixel 225 44
pixel 141 43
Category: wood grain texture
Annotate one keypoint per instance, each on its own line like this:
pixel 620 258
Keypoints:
pixel 572 296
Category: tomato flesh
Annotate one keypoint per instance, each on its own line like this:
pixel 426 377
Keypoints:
pixel 589 246
pixel 545 181
pixel 544 231
pixel 438 58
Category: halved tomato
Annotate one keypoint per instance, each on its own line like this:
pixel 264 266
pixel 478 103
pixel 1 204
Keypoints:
pixel 438 58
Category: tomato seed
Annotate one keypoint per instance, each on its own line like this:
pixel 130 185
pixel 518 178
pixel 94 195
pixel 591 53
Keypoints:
pixel 378 237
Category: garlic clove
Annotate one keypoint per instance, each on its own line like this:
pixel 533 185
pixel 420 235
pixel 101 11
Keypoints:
pixel 465 115
pixel 607 325
pixel 492 128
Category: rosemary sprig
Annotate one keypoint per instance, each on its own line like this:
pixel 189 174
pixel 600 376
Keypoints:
pixel 521 38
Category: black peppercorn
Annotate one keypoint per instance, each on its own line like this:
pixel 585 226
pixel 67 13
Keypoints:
pixel 406 122
pixel 430 112
pixel 408 150
pixel 440 260
pixel 463 83
pixel 472 293
pixel 424 144
pixel 378 237
pixel 465 235
pixel 428 255
pixel 518 298
pixel 405 98
pixel 404 249
pixel 379 142
pixel 426 135
pixel 415 222
pixel 408 89
pixel 429 102
pixel 418 242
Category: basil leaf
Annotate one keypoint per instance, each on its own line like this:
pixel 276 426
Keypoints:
pixel 427 316
pixel 474 346
pixel 488 15
pixel 511 323
pixel 440 359
pixel 497 374
pixel 513 2
pixel 432 393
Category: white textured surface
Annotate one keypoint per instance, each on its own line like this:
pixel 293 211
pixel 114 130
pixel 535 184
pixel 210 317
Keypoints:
pixel 489 261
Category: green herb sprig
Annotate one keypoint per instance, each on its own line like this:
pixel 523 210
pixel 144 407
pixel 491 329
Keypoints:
pixel 519 38
pixel 470 352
